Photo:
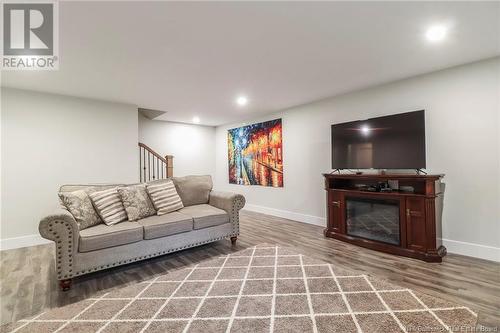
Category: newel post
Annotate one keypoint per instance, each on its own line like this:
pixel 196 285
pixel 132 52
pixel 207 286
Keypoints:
pixel 170 165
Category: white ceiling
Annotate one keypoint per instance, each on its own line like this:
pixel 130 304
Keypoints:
pixel 194 58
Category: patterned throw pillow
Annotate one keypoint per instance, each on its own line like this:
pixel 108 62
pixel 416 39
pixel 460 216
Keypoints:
pixel 109 206
pixel 136 202
pixel 164 197
pixel 79 205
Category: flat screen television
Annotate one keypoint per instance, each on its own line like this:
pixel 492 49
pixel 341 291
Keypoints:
pixel 390 142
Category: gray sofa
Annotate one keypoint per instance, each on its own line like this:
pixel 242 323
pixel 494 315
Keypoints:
pixel 207 216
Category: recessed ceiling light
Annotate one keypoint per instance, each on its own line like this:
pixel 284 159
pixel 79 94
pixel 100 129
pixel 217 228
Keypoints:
pixel 365 129
pixel 196 120
pixel 242 101
pixel 436 33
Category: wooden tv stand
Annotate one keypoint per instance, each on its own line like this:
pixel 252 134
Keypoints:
pixel 355 211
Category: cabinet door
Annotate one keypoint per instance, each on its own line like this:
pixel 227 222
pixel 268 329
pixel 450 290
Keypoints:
pixel 415 224
pixel 335 212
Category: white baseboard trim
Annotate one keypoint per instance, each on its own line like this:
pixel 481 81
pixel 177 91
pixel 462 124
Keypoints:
pixel 457 247
pixel 472 249
pixel 23 241
pixel 311 219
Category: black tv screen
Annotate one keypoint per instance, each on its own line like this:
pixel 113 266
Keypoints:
pixel 390 142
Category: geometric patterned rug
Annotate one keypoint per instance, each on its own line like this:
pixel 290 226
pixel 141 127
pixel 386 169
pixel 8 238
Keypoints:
pixel 265 288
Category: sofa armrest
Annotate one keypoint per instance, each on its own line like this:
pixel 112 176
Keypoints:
pixel 61 227
pixel 231 203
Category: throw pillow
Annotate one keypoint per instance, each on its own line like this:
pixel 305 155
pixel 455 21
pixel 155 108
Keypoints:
pixel 79 205
pixel 109 206
pixel 136 202
pixel 164 197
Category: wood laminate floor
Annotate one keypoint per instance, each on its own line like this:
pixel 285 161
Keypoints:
pixel 28 284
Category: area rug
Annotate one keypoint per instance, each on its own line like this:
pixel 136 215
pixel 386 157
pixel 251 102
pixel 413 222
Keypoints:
pixel 266 288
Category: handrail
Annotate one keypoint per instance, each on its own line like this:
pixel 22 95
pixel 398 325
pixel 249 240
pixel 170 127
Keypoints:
pixel 149 149
pixel 153 166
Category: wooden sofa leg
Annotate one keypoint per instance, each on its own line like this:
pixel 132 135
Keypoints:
pixel 233 240
pixel 65 285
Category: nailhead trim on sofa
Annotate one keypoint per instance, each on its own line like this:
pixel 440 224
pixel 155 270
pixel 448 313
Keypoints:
pixel 58 241
pixel 238 203
pixel 60 275
pixel 156 254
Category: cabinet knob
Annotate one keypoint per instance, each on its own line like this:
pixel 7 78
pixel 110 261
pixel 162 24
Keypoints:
pixel 408 212
pixel 336 203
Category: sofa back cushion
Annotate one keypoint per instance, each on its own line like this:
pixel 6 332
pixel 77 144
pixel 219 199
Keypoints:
pixel 78 203
pixel 109 206
pixel 193 190
pixel 136 201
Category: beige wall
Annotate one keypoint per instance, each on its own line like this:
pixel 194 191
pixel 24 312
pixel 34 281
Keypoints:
pixel 49 140
pixel 462 136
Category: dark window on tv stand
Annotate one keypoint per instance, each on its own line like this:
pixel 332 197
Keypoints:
pixel 374 219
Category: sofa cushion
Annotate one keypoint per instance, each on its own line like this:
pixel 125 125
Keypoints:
pixel 205 216
pixel 136 202
pixel 193 190
pixel 78 203
pixel 164 197
pixel 109 206
pixel 102 236
pixel 165 225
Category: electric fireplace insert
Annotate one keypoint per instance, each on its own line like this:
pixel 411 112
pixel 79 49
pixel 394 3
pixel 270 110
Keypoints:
pixel 374 219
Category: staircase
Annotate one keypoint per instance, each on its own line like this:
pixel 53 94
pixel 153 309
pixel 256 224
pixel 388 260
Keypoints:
pixel 153 166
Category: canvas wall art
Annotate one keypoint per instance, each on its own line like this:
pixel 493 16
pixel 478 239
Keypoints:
pixel 255 154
